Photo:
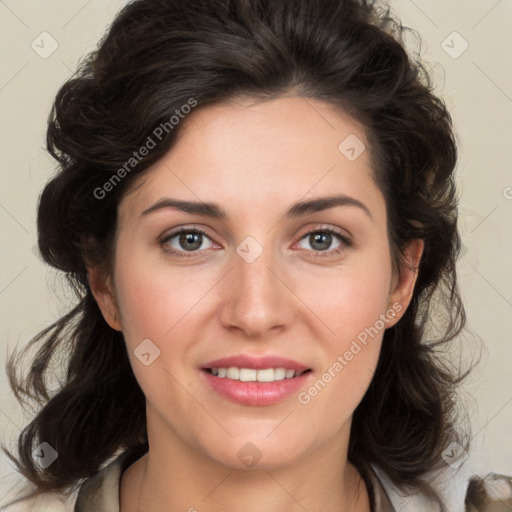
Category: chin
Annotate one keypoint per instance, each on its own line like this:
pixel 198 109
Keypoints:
pixel 260 451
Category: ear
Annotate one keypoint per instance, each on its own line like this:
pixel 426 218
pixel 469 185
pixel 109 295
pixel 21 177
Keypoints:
pixel 404 280
pixel 103 291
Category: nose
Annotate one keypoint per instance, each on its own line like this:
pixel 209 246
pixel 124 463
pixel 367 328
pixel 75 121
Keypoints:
pixel 257 300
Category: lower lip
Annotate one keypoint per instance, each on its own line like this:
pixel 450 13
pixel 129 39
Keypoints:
pixel 255 393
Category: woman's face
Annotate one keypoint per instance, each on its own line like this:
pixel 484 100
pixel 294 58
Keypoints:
pixel 268 280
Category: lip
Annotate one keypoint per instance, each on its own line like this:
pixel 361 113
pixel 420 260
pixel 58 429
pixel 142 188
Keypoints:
pixel 257 363
pixel 255 393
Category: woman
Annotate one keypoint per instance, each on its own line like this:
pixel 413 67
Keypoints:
pixel 256 208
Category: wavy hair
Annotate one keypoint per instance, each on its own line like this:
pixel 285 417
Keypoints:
pixel 155 57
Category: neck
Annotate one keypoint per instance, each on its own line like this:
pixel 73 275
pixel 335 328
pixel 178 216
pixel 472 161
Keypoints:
pixel 174 477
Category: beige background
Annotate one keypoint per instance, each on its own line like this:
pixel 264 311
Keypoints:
pixel 477 86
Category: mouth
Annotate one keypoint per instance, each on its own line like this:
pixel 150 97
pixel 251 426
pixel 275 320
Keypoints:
pixel 251 379
pixel 255 382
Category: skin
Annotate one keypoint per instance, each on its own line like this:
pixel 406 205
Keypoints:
pixel 255 159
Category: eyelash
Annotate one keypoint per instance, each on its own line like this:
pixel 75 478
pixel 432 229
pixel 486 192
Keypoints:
pixel 345 241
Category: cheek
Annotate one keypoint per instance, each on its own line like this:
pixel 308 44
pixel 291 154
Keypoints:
pixel 353 305
pixel 156 301
pixel 170 308
pixel 160 306
pixel 347 306
pixel 358 321
pixel 350 298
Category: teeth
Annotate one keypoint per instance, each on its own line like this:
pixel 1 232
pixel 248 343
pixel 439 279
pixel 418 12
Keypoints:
pixel 252 375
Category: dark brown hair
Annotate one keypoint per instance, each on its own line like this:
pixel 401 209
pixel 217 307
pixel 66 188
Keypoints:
pixel 155 58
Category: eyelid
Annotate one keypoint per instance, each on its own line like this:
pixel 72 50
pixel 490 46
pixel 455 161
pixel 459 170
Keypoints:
pixel 168 235
pixel 326 227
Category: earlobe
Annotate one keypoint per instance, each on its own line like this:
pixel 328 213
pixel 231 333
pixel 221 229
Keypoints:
pixel 103 292
pixel 404 281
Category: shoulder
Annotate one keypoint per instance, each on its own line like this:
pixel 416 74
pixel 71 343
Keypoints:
pixel 460 489
pixel 100 490
pixel 492 493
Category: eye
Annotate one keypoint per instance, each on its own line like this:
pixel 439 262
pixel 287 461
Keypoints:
pixel 321 240
pixel 185 240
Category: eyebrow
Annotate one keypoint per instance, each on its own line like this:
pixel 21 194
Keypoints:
pixel 298 209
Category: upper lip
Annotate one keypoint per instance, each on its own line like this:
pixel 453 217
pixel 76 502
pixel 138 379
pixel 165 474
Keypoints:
pixel 257 363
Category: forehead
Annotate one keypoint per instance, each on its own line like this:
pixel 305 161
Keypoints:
pixel 253 155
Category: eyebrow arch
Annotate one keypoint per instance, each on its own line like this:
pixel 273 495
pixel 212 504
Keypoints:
pixel 298 209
